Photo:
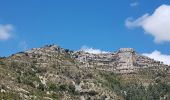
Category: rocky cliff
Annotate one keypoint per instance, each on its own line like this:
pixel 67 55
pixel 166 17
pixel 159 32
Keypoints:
pixel 125 60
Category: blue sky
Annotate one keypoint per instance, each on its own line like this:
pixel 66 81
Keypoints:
pixel 104 24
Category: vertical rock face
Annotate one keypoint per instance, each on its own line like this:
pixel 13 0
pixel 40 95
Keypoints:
pixel 126 60
pixel 122 61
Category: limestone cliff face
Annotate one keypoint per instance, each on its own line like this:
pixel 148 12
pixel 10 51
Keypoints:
pixel 125 60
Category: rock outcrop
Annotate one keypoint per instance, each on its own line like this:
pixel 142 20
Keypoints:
pixel 125 60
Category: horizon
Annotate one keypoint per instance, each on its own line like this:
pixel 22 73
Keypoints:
pixel 154 55
pixel 99 26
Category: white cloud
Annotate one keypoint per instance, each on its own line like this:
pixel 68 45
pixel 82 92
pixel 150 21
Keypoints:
pixel 5 31
pixel 156 24
pixel 157 55
pixel 92 50
pixel 134 4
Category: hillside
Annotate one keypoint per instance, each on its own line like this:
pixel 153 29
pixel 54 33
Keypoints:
pixel 54 73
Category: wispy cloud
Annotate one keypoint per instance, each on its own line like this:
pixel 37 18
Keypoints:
pixel 92 50
pixel 5 31
pixel 157 55
pixel 23 45
pixel 134 4
pixel 156 24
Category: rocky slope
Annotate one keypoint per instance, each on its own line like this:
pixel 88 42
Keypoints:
pixel 54 73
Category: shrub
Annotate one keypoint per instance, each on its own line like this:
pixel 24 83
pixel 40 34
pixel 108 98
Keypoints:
pixel 92 93
pixel 41 70
pixel 14 64
pixel 41 87
pixel 53 87
pixel 71 89
pixel 2 63
pixel 63 87
pixel 89 75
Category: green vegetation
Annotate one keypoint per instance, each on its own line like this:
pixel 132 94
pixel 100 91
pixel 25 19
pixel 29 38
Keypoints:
pixel 9 96
pixel 2 63
pixel 134 91
pixel 91 93
pixel 63 87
